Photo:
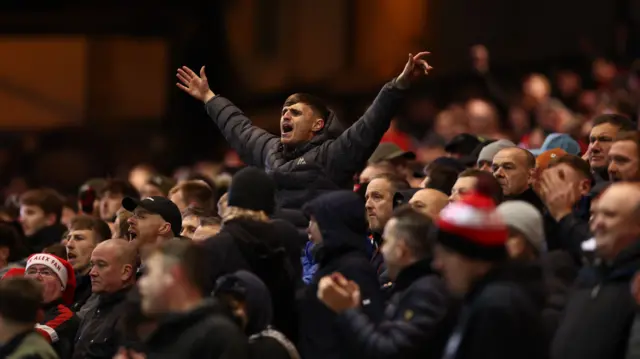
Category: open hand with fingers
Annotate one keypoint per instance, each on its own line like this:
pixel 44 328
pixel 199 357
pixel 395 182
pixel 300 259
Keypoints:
pixel 558 194
pixel 194 85
pixel 415 68
pixel 338 293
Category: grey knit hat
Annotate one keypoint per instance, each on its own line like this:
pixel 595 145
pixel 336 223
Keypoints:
pixel 526 219
pixel 490 150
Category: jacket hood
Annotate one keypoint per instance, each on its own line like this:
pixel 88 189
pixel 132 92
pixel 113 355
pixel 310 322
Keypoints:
pixel 331 130
pixel 255 295
pixel 341 219
pixel 258 241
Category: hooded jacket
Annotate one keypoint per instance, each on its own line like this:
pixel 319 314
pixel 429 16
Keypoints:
pixel 344 248
pixel 259 247
pixel 327 162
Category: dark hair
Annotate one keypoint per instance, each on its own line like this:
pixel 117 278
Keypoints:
pixel 120 186
pixel 190 257
pixel 621 121
pixel 47 199
pixel 10 238
pixel 195 194
pixel 20 299
pixel 488 182
pixel 575 162
pixel 71 202
pixel 414 228
pixel 318 106
pixel 442 178
pixel 56 249
pixel 397 183
pixel 98 226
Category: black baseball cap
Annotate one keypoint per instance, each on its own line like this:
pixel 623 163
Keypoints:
pixel 157 205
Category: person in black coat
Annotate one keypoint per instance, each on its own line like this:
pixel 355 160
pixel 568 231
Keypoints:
pixel 312 155
pixel 600 311
pixel 173 289
pixel 249 240
pixel 501 314
pixel 420 315
pixel 338 229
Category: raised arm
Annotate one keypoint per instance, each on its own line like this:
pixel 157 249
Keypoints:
pixel 252 143
pixel 350 152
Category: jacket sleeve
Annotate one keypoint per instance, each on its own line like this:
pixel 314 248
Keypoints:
pixel 252 143
pixel 571 232
pixel 350 151
pixel 399 338
pixel 370 293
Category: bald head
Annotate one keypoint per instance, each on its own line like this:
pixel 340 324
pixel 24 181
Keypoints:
pixel 123 250
pixel 513 168
pixel 113 266
pixel 429 202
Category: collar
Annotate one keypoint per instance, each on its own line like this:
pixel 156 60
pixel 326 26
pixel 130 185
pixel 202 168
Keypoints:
pixel 109 299
pixel 410 274
pixel 13 344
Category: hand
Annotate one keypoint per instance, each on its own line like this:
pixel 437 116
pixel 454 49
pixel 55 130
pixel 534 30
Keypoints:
pixel 338 293
pixel 558 194
pixel 480 58
pixel 413 70
pixel 586 154
pixel 128 354
pixel 194 85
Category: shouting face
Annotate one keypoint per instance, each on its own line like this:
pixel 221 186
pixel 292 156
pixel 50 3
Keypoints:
pixel 298 123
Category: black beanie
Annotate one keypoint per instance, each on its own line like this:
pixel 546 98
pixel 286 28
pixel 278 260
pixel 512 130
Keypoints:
pixel 252 189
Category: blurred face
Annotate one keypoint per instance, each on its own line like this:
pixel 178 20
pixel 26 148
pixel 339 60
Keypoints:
pixel 516 245
pixel 614 222
pixel 204 232
pixel 67 215
pixel 511 170
pixel 372 171
pixel 189 226
pixel 536 87
pixel 80 243
pixel 313 231
pixel 298 124
pixel 33 219
pixel 110 203
pixel 149 190
pixel 572 176
pixel 379 203
pixel 108 273
pixel 623 162
pixel 154 285
pixel 459 272
pixel 482 117
pixel 394 250
pixel 462 186
pixel 600 142
pixel 429 202
pixel 178 199
pixel 145 226
pixel 49 280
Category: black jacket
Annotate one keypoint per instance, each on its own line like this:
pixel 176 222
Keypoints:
pixel 83 291
pixel 59 327
pixel 99 336
pixel 46 237
pixel 501 317
pixel 341 219
pixel 327 162
pixel 202 333
pixel 418 321
pixel 270 251
pixel 601 299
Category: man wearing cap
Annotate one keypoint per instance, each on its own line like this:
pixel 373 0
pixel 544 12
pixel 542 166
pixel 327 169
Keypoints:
pixel 398 158
pixel 558 140
pixel 485 157
pixel 501 318
pixel 155 219
pixel 59 324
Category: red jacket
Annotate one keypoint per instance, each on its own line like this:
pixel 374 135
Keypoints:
pixel 59 328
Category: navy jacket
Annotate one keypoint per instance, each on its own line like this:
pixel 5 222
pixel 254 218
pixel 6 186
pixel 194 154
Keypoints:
pixel 327 162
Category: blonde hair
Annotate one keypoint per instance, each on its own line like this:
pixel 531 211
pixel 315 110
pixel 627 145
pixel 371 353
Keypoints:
pixel 240 213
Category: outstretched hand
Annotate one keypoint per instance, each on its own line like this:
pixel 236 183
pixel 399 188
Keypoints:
pixel 415 68
pixel 194 85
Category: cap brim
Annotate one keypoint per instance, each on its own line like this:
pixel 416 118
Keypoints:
pixel 537 151
pixel 130 204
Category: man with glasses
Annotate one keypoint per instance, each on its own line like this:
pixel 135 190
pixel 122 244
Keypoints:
pixel 58 280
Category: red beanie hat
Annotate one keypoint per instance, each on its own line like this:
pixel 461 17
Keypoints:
pixel 61 268
pixel 14 272
pixel 473 228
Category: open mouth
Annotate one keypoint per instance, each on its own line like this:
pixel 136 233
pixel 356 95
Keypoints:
pixel 286 128
pixel 132 235
pixel 71 256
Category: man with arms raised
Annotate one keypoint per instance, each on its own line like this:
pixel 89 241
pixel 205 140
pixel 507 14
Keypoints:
pixel 310 152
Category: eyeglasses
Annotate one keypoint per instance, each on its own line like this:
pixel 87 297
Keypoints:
pixel 43 272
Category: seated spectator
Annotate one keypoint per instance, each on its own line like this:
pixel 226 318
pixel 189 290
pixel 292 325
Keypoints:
pixel 58 280
pixel 249 299
pixel 20 301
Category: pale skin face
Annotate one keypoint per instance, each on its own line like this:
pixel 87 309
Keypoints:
pixel 189 226
pixel 379 203
pixel 429 202
pixel 512 172
pixel 600 142
pixel 462 186
pixel 110 271
pixel 298 124
pixel 32 219
pixel 51 284
pixel 80 244
pixel 624 162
